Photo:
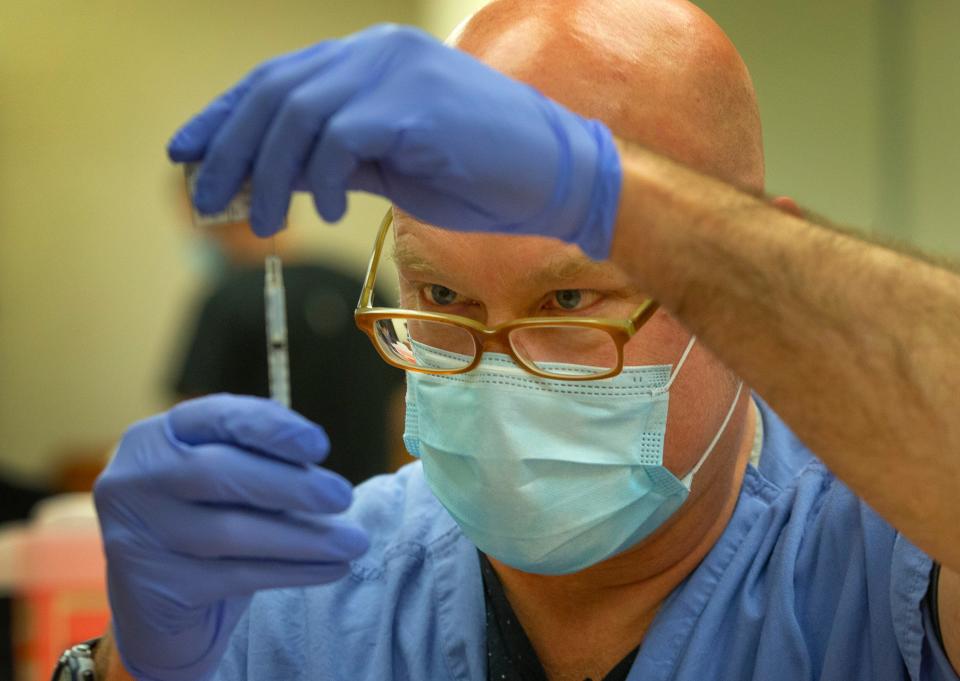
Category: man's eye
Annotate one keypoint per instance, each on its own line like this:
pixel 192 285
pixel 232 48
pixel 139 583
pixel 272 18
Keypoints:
pixel 568 299
pixel 441 295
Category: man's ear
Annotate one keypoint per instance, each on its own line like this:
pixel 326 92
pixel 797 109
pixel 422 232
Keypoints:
pixel 787 205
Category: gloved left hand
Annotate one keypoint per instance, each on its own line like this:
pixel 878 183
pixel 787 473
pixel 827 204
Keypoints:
pixel 393 111
pixel 200 508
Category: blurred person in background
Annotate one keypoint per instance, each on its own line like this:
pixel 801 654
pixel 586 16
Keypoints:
pixel 335 379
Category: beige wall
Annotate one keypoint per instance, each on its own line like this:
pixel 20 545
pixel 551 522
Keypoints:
pixel 812 65
pixel 93 279
pixel 860 102
pixel 934 161
pixel 440 17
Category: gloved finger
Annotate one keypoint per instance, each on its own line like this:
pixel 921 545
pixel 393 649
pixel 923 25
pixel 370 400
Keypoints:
pixel 203 531
pixel 190 142
pixel 369 177
pixel 252 423
pixel 226 578
pixel 360 134
pixel 224 474
pixel 231 153
pixel 418 198
pixel 291 137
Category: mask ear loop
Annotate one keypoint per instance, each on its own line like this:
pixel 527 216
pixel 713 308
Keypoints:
pixel 688 480
pixel 676 369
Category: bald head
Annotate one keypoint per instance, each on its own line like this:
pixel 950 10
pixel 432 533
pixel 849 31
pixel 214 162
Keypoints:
pixel 659 73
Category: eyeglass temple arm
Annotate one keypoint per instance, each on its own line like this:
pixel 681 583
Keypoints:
pixel 644 313
pixel 366 295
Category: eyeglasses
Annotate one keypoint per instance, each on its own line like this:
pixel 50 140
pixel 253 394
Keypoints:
pixel 569 348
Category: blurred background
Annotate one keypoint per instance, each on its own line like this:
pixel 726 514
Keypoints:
pixel 101 274
pixel 860 101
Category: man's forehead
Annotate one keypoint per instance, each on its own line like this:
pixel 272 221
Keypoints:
pixel 523 260
pixel 660 73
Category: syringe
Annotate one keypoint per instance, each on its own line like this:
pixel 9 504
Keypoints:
pixel 278 357
pixel 274 296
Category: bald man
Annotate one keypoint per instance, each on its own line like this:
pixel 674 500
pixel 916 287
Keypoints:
pixel 590 279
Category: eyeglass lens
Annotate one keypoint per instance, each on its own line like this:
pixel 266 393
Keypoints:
pixel 554 350
pixel 423 344
pixel 565 350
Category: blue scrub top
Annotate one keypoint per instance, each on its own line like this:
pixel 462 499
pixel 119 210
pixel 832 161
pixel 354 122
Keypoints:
pixel 806 582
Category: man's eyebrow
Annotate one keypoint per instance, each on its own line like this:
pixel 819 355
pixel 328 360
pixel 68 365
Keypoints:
pixel 555 272
pixel 406 258
pixel 564 268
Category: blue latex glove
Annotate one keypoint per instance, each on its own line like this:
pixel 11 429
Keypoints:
pixel 200 508
pixel 393 111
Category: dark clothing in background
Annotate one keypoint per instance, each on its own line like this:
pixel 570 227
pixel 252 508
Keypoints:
pixel 17 500
pixel 336 377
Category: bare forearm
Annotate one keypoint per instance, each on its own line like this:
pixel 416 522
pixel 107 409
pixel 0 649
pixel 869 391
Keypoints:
pixel 856 346
pixel 109 666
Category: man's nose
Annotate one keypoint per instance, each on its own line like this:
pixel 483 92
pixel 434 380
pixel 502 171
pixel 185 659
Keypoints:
pixel 497 345
pixel 496 317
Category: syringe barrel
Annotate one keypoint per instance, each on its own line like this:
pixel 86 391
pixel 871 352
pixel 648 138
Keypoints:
pixel 278 361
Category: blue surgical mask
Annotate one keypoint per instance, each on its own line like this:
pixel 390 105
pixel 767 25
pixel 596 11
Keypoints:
pixel 545 475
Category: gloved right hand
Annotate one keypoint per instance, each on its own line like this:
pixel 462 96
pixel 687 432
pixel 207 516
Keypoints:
pixel 203 506
pixel 393 111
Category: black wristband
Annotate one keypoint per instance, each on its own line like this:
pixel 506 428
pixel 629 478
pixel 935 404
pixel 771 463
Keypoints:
pixel 933 602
